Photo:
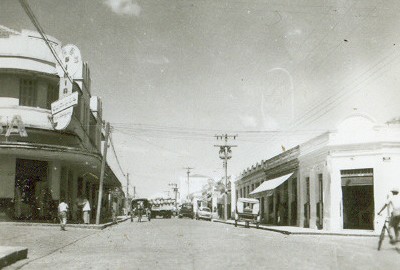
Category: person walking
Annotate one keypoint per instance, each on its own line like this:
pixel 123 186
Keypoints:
pixel 86 211
pixel 62 214
pixel 393 205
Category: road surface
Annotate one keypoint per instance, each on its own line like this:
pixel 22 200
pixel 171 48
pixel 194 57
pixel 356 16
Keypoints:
pixel 190 244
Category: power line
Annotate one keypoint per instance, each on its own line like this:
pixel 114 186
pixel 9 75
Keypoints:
pixel 39 28
pixel 115 154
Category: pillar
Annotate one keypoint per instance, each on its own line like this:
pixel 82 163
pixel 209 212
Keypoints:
pixel 313 199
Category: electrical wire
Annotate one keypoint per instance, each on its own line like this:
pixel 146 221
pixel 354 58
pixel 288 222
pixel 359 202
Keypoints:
pixel 39 28
pixel 115 155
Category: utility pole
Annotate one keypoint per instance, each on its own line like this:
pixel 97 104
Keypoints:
pixel 103 167
pixel 175 189
pixel 127 193
pixel 188 172
pixel 134 192
pixel 225 153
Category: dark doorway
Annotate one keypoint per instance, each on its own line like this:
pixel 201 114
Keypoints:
pixel 31 189
pixel 358 199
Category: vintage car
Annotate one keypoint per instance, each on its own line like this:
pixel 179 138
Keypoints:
pixel 186 210
pixel 247 210
pixel 139 208
pixel 204 213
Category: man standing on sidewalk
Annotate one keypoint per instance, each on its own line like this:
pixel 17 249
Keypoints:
pixel 86 211
pixel 62 214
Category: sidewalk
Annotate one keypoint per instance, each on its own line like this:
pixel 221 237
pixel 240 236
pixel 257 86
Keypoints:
pixel 303 231
pixel 70 225
pixel 11 254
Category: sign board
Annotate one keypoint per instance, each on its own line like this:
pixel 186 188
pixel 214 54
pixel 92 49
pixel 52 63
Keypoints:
pixel 64 103
pixel 65 87
pixel 63 118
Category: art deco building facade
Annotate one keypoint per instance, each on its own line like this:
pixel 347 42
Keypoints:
pixel 39 165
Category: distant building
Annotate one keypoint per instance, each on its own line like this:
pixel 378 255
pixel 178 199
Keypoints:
pixel 39 165
pixel 338 180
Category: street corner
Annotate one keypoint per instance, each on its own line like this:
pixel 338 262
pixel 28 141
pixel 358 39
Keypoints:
pixel 12 254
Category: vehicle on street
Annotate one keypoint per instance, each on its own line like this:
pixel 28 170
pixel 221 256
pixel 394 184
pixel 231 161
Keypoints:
pixel 247 210
pixel 139 208
pixel 186 210
pixel 204 213
pixel 163 207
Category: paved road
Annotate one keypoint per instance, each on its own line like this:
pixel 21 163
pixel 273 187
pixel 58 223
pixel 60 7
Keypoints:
pixel 191 244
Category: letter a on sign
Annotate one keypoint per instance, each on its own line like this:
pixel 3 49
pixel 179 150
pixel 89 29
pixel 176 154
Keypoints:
pixel 16 126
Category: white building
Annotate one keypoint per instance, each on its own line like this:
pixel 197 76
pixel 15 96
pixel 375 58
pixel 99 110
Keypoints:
pixel 39 165
pixel 338 180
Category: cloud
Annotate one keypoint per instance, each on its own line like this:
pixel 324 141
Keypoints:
pixel 155 60
pixel 124 7
pixel 249 121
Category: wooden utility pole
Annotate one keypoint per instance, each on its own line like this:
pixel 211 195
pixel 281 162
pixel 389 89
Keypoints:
pixel 103 168
pixel 188 172
pixel 127 193
pixel 225 154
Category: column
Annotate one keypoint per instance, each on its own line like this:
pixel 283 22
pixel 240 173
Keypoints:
pixel 290 199
pixel 55 179
pixel 313 199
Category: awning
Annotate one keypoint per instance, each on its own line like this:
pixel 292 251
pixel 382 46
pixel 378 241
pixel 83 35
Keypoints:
pixel 269 185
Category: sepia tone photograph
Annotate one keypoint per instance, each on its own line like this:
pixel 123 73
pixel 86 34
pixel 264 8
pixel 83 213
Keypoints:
pixel 199 134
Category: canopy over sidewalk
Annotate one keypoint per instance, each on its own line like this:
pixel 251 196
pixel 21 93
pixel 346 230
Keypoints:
pixel 269 185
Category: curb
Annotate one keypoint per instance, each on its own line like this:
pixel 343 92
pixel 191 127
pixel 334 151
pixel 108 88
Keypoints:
pixel 286 232
pixel 79 226
pixel 10 255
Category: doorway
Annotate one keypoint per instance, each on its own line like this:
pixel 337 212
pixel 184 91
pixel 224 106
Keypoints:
pixel 358 199
pixel 31 189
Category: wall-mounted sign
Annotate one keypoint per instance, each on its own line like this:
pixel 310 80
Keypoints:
pixel 62 119
pixel 64 103
pixel 14 127
pixel 71 69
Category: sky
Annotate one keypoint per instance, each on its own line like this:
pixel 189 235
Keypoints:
pixel 172 74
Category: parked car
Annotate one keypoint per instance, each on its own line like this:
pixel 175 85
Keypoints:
pixel 186 211
pixel 204 213
pixel 247 210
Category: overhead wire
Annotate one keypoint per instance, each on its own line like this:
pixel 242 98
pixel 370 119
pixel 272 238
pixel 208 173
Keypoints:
pixel 42 33
pixel 115 155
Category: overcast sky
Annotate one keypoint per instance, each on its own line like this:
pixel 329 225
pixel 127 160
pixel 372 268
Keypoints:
pixel 174 73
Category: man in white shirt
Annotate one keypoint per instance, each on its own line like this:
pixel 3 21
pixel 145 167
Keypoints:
pixel 393 205
pixel 86 211
pixel 62 214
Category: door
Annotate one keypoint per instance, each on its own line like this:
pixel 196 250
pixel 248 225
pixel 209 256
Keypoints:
pixel 358 199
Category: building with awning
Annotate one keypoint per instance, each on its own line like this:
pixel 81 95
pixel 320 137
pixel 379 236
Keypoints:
pixel 336 181
pixel 41 164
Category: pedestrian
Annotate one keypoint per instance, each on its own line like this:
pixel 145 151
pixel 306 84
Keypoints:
pixel 62 213
pixel 393 205
pixel 114 211
pixel 86 211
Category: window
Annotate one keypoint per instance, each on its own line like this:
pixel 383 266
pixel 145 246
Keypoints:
pixel 321 187
pixel 28 93
pixel 52 95
pixel 308 189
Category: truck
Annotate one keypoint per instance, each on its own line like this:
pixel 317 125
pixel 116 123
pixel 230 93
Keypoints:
pixel 163 207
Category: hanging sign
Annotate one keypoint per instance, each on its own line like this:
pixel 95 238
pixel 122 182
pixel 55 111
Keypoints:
pixel 64 103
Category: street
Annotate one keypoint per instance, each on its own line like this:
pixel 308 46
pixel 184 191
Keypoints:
pixel 190 244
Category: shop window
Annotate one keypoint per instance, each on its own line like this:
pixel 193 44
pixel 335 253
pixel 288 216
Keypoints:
pixel 52 95
pixel 28 93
